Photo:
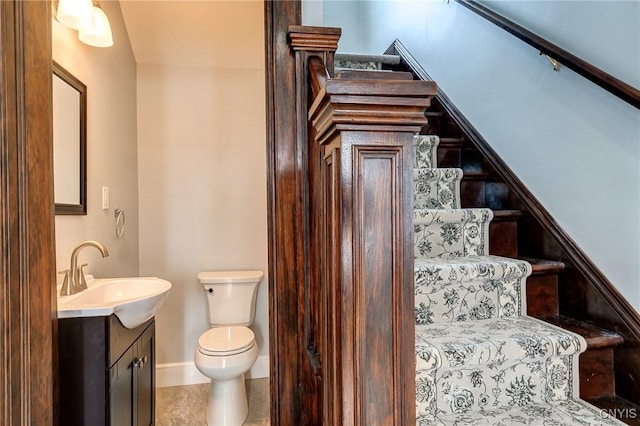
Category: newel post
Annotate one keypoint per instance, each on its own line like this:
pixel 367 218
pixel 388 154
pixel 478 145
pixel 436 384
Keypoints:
pixel 364 131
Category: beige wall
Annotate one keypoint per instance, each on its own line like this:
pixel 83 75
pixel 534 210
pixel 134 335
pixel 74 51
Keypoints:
pixel 110 76
pixel 202 176
pixel 183 151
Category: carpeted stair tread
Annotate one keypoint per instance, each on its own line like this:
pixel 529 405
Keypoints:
pixel 499 362
pixel 364 57
pixel 554 413
pixel 469 268
pixel 496 340
pixel 367 74
pixel 468 288
pixel 455 215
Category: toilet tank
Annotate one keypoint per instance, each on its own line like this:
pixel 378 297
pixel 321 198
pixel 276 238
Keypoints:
pixel 231 296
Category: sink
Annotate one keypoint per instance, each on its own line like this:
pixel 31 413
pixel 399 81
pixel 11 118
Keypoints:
pixel 133 300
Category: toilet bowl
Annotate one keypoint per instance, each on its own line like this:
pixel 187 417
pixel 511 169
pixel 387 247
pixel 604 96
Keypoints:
pixel 225 354
pixel 228 350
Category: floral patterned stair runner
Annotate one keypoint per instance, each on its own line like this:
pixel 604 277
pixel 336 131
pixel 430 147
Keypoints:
pixel 480 360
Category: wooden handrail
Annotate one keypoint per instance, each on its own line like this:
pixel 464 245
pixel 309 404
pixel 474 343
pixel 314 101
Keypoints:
pixel 608 82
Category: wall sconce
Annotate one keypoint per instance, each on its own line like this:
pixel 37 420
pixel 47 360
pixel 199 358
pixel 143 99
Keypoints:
pixel 88 18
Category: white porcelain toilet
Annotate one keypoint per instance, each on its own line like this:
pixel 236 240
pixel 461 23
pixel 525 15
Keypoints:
pixel 228 350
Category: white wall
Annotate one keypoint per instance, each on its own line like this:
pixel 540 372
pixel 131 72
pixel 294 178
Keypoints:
pixel 575 146
pixel 110 77
pixel 202 174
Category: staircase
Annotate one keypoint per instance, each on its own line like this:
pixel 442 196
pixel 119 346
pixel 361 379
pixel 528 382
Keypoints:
pixel 479 358
pixel 491 345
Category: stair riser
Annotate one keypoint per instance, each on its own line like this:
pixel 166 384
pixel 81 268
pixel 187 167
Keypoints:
pixel 424 151
pixel 436 188
pixel 445 302
pixel 443 126
pixel 596 373
pixel 503 238
pixel 542 295
pixel 479 193
pixel 443 233
pixel 449 156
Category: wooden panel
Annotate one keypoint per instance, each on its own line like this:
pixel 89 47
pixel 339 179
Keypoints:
pixel 542 295
pixel 27 283
pixel 284 178
pixel 503 237
pixel 472 193
pixel 332 390
pixel 375 228
pixel 371 361
pixel 596 373
pixel 83 365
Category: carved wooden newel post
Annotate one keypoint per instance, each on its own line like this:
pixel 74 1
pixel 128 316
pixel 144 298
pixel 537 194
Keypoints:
pixel 356 317
pixel 364 131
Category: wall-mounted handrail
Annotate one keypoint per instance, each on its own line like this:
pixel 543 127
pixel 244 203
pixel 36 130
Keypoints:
pixel 608 82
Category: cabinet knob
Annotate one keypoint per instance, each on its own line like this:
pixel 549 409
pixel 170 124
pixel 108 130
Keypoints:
pixel 140 362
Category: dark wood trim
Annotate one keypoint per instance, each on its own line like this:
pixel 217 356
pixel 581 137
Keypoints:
pixel 70 79
pixel 608 82
pixel 586 292
pixel 285 212
pixel 310 45
pixel 27 281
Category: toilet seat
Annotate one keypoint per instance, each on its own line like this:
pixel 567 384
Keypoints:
pixel 225 341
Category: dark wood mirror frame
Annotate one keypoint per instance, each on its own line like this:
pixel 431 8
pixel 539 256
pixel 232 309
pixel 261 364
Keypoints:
pixel 71 80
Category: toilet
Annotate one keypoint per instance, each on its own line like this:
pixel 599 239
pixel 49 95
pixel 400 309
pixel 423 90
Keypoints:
pixel 228 349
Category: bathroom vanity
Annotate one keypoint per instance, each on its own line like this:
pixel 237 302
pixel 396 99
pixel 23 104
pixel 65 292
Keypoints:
pixel 106 372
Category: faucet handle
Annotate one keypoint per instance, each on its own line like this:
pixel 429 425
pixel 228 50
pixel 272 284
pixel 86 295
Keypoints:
pixel 65 290
pixel 82 282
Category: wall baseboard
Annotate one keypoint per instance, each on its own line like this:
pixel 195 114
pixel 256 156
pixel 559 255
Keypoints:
pixel 186 373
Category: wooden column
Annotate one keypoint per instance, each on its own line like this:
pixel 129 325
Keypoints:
pixel 27 278
pixel 315 44
pixel 364 299
pixel 286 256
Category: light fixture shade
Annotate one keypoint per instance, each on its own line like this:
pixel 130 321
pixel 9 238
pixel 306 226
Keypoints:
pixel 74 13
pixel 96 31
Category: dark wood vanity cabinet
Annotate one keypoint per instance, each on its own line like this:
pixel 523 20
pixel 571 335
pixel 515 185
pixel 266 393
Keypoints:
pixel 107 372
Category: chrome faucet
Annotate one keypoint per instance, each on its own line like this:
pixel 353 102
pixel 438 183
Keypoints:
pixel 74 280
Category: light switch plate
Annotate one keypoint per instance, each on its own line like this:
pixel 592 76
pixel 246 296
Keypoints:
pixel 105 197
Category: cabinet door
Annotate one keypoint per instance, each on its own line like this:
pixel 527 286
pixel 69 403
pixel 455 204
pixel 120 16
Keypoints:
pixel 121 390
pixel 145 386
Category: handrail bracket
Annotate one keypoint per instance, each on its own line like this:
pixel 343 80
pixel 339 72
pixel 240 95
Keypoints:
pixel 554 63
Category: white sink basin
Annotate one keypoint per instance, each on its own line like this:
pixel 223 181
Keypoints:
pixel 132 300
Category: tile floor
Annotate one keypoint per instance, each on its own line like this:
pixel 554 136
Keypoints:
pixel 187 405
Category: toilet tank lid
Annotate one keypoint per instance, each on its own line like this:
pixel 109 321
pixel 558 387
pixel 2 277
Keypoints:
pixel 218 277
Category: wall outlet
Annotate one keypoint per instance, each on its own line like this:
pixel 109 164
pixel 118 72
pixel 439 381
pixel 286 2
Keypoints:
pixel 105 197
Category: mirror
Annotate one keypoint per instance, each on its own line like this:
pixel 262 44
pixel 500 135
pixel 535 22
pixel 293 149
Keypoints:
pixel 69 143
